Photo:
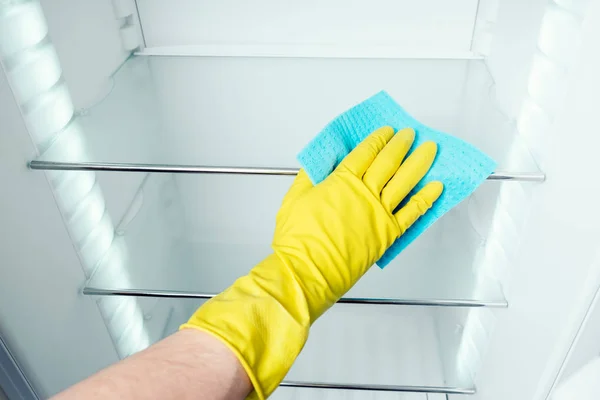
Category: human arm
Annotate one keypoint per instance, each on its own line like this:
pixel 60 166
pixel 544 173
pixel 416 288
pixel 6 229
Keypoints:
pixel 326 237
pixel 189 364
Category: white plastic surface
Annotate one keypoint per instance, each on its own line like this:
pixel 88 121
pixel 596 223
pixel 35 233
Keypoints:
pixel 42 275
pixel 194 234
pixel 554 270
pixel 301 394
pixel 40 272
pixel 586 345
pixel 365 344
pixel 582 385
pixel 211 111
pixel 548 269
pixel 436 25
pixel 381 345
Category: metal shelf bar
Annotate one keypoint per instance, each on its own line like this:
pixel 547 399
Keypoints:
pixel 91 291
pixel 379 388
pixel 205 169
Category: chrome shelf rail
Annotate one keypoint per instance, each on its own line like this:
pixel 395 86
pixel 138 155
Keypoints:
pixel 379 388
pixel 91 291
pixel 204 169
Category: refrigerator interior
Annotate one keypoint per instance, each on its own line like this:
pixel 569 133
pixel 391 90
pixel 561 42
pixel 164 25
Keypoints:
pixel 151 90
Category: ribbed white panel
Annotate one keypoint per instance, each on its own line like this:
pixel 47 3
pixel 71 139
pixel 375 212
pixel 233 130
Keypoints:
pixel 558 42
pixel 35 76
pixel 124 12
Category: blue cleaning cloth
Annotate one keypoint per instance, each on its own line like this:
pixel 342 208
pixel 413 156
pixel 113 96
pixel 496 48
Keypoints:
pixel 460 166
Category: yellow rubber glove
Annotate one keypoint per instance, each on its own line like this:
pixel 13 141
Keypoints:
pixel 326 237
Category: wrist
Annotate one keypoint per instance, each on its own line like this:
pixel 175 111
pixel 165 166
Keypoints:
pixel 263 318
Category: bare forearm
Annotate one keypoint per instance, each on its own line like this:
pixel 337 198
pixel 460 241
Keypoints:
pixel 187 365
pixel 264 317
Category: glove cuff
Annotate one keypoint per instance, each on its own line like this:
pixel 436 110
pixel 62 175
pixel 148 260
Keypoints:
pixel 263 318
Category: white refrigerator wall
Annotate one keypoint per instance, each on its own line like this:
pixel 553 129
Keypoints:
pixel 56 334
pixel 88 63
pixel 334 27
pixel 86 38
pixel 552 273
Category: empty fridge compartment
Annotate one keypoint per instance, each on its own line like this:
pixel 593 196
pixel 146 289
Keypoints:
pixel 374 349
pixel 294 393
pixel 193 235
pixel 253 115
pixel 333 29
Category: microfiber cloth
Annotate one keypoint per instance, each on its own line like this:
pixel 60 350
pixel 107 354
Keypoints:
pixel 460 166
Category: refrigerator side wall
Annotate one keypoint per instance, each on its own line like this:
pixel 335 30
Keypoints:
pixel 555 271
pixel 86 38
pixel 56 334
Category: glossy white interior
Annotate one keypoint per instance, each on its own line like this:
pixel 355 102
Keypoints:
pixel 260 112
pixel 541 246
pixel 425 26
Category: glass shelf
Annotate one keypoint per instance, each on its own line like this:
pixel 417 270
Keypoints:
pixel 253 115
pixel 382 349
pixel 193 235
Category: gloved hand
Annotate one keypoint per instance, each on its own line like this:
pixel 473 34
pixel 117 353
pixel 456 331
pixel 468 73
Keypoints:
pixel 326 237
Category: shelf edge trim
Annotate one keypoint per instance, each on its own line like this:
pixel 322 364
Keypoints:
pixel 206 169
pixel 379 388
pixel 303 50
pixel 92 291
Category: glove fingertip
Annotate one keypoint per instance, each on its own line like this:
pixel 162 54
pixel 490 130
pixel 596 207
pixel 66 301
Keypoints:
pixel 432 191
